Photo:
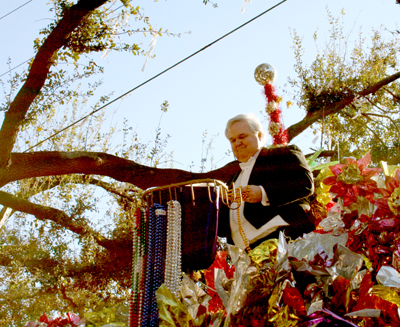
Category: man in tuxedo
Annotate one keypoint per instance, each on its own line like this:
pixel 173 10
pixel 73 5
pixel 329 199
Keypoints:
pixel 276 179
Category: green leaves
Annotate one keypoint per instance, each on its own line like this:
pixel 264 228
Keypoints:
pixel 341 71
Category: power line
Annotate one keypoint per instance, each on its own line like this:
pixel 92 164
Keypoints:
pixel 32 57
pixel 6 16
pixel 16 67
pixel 16 9
pixel 155 76
pixel 10 70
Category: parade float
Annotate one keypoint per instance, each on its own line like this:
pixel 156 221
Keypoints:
pixel 344 273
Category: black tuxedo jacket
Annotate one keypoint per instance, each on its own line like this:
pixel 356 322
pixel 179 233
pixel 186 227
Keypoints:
pixel 286 178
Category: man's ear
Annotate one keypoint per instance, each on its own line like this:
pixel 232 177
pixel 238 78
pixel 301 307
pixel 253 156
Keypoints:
pixel 259 136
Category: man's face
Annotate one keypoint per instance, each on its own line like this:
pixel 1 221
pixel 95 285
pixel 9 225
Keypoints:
pixel 243 140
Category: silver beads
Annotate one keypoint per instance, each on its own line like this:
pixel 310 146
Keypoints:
pixel 173 262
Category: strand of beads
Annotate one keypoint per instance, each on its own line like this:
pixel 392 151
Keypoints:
pixel 177 275
pixel 242 233
pixel 161 240
pixel 135 291
pixel 241 230
pixel 239 200
pixel 139 243
pixel 144 237
pixel 159 259
pixel 156 256
pixel 173 253
pixel 148 274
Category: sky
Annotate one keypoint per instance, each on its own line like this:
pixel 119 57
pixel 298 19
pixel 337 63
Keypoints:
pixel 217 83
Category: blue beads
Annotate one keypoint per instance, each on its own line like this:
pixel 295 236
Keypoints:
pixel 154 264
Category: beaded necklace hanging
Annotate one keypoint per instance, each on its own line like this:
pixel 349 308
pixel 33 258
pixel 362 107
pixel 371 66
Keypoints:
pixel 160 235
pixel 173 253
pixel 233 198
pixel 156 258
pixel 148 269
pixel 148 262
pixel 154 264
pixel 241 231
pixel 138 256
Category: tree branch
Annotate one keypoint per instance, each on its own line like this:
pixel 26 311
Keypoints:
pixel 392 94
pixel 366 126
pixel 376 135
pixel 36 164
pixel 323 154
pixel 334 108
pixel 58 216
pixel 106 186
pixel 377 107
pixel 77 179
pixel 48 184
pixel 31 264
pixel 66 297
pixel 367 114
pixel 5 213
pixel 40 68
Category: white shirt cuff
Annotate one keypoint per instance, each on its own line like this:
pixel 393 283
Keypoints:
pixel 264 200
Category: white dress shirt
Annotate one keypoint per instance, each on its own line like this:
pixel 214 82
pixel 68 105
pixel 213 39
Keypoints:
pixel 253 234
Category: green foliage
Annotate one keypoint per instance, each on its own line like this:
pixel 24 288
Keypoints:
pixel 369 123
pixel 46 267
pixel 100 31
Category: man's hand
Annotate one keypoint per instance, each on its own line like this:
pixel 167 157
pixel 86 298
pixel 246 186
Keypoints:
pixel 254 194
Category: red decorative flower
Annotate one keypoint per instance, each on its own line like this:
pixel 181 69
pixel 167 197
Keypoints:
pixel 292 297
pixel 215 304
pixel 389 204
pixel 353 179
pixel 389 315
pixel 72 320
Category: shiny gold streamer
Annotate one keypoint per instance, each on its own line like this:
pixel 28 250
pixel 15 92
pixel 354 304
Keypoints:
pixel 265 251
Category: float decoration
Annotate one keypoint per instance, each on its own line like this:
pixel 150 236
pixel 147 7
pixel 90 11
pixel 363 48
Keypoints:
pixel 345 273
pixel 265 74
